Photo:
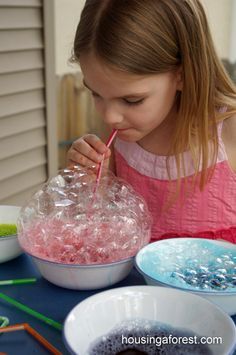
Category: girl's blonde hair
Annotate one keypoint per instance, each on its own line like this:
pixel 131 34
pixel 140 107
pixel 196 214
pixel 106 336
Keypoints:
pixel 157 36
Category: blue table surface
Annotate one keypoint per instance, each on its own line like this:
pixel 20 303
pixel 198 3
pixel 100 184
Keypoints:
pixel 52 301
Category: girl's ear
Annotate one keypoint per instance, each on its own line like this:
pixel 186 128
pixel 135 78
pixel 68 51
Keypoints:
pixel 179 78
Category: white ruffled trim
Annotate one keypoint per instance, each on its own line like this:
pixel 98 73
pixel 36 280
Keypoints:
pixel 154 166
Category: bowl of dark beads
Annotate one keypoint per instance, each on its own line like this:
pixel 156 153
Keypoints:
pixel 202 266
pixel 148 320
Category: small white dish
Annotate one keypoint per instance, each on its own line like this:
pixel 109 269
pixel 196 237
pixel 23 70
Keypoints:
pixel 99 314
pixel 9 245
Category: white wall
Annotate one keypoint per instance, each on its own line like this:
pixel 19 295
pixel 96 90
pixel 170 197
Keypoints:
pixel 232 52
pixel 67 14
pixel 219 13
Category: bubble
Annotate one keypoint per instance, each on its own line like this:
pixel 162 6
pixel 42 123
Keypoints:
pixel 143 336
pixel 65 221
pixel 203 265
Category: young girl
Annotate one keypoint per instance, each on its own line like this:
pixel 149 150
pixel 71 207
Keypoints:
pixel 155 77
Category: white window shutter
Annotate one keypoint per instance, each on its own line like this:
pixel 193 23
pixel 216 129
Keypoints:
pixel 24 123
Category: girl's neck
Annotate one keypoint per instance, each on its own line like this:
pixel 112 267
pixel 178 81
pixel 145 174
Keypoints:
pixel 159 140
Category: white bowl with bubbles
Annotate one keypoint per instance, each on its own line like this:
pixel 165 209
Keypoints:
pixel 84 277
pixel 81 235
pixel 202 266
pixel 148 318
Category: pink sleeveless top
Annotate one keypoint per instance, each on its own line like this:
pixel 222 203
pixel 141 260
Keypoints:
pixel 210 213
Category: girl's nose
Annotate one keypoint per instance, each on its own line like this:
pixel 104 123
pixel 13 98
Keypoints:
pixel 111 115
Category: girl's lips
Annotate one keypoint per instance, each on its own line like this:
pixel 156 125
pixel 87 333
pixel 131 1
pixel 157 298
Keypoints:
pixel 123 133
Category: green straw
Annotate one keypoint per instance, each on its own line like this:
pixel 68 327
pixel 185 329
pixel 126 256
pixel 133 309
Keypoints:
pixel 4 321
pixel 30 311
pixel 18 281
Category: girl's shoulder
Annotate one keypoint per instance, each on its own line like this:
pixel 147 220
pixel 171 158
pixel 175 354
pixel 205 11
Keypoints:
pixel 229 139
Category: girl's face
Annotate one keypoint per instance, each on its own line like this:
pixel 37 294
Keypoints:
pixel 136 105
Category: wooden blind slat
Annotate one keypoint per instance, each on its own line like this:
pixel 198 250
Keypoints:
pixel 23 102
pixel 19 199
pixel 23 142
pixel 22 197
pixel 19 3
pixel 22 122
pixel 16 18
pixel 18 40
pixel 22 181
pixel 19 61
pixel 21 81
pixel 22 162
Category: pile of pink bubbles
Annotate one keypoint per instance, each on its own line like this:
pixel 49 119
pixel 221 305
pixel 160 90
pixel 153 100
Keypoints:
pixel 67 222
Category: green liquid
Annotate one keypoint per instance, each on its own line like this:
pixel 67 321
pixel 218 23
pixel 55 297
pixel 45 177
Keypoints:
pixel 7 229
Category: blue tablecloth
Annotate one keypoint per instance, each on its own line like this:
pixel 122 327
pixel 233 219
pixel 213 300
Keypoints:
pixel 52 301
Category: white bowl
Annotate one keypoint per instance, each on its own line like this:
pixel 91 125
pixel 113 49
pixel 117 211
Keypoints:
pixel 99 314
pixel 9 246
pixel 156 262
pixel 84 277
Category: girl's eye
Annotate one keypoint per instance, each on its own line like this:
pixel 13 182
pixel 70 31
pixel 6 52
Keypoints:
pixel 133 102
pixel 94 94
